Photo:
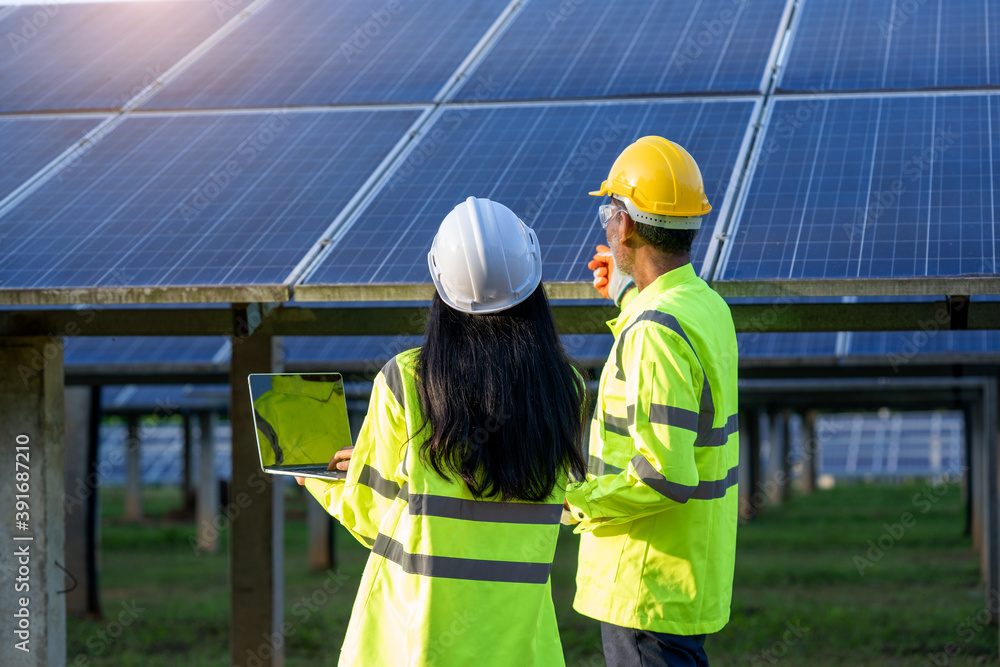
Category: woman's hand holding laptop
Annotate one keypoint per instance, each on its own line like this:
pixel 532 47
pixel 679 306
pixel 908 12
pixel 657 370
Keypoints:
pixel 340 460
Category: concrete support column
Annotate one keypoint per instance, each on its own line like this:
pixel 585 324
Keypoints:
pixel 786 455
pixel 776 479
pixel 320 536
pixel 256 547
pixel 33 532
pixel 967 440
pixel 189 485
pixel 975 426
pixel 208 487
pixel 133 471
pixel 992 535
pixel 81 488
pixel 810 453
pixel 751 499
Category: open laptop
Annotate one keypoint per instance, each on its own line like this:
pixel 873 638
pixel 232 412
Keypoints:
pixel 301 421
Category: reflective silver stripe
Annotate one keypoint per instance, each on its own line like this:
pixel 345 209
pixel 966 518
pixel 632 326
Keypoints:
pixel 681 493
pixel 382 486
pixel 615 424
pixel 707 436
pixel 471 569
pixel 404 492
pixel 719 436
pixel 484 510
pixel 599 467
pixel 272 437
pixel 394 380
pixel 668 415
pixel 666 320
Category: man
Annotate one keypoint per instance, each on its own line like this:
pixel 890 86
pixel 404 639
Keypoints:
pixel 658 510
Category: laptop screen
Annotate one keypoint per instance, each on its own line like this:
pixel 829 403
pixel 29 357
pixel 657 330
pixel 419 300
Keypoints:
pixel 301 418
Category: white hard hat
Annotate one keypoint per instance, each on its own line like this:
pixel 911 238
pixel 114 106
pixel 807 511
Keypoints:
pixel 483 258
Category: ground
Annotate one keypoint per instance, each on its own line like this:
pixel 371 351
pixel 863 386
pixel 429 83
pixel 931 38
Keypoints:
pixel 856 575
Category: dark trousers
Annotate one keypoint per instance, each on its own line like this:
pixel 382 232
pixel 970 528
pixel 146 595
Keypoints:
pixel 628 647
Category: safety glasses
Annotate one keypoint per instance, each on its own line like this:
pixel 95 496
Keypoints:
pixel 607 212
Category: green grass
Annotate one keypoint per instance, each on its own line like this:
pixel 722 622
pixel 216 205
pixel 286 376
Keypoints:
pixel 795 565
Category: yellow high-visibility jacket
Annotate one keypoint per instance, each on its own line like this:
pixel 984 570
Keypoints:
pixel 658 510
pixel 451 580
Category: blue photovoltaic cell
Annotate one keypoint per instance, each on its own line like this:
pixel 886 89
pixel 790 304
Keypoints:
pixel 199 199
pixel 166 399
pixel 376 350
pixel 559 49
pixel 540 161
pixel 296 52
pixel 87 350
pixel 872 187
pixel 786 345
pixel 899 347
pixel 28 144
pixel 98 56
pixel 894 45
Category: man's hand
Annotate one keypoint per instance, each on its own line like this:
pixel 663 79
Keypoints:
pixel 608 281
pixel 341 460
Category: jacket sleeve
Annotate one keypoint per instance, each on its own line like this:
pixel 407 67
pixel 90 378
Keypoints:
pixel 663 381
pixel 375 473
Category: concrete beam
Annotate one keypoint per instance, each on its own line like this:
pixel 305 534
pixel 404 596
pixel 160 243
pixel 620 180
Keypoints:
pixel 207 508
pixel 256 547
pixel 32 395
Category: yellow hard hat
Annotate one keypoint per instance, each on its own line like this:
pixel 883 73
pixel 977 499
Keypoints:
pixel 658 178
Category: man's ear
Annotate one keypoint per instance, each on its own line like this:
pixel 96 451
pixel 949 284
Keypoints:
pixel 626 230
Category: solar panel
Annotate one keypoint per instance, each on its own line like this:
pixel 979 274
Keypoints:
pixel 87 350
pixel 540 161
pixel 295 52
pixel 98 56
pixel 756 345
pixel 899 347
pixel 890 45
pixel 871 187
pixel 560 49
pixel 196 199
pixel 28 144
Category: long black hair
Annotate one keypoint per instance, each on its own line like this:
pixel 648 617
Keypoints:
pixel 503 403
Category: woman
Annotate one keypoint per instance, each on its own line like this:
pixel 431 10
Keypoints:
pixel 457 478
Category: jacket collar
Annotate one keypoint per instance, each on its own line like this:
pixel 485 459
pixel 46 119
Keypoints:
pixel 641 301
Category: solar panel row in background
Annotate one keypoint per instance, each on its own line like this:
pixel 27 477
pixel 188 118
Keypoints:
pixel 560 49
pixel 890 45
pixel 98 56
pixel 868 186
pixel 28 144
pixel 540 160
pixel 309 52
pixel 196 199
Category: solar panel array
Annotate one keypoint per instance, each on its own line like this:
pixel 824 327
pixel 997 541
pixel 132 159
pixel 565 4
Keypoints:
pixel 537 160
pixel 560 49
pixel 306 52
pixel 894 45
pixel 196 199
pixel 872 187
pixel 249 153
